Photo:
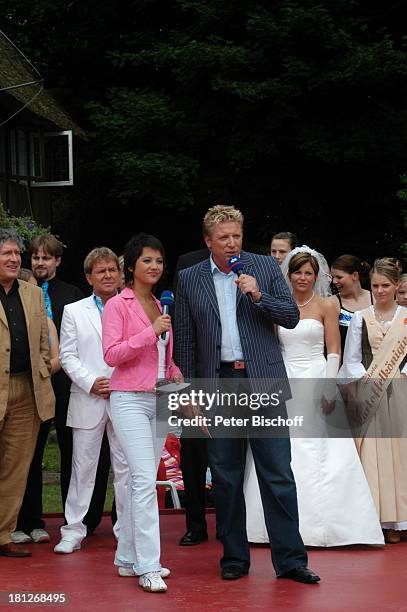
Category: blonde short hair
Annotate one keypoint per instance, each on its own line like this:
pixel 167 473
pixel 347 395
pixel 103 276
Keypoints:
pixel 99 254
pixel 220 214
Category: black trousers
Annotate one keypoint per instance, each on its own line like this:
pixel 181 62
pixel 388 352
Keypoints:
pixel 194 463
pixel 30 515
pixel 272 458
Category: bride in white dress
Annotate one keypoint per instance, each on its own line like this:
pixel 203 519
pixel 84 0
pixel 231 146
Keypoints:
pixel 334 501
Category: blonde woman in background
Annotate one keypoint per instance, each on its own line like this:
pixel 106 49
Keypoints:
pixel 401 295
pixel 376 350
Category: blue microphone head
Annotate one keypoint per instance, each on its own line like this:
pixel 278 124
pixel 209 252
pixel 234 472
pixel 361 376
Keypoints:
pixel 235 264
pixel 167 298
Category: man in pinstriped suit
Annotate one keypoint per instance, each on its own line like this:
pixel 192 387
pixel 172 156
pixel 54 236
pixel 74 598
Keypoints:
pixel 224 328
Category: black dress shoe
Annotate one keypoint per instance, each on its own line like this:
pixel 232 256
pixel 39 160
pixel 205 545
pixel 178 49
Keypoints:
pixel 233 572
pixel 191 538
pixel 302 574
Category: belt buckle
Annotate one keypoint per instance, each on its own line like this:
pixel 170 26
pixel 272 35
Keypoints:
pixel 238 365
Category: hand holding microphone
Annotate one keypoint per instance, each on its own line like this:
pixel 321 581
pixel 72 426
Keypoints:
pixel 163 323
pixel 246 283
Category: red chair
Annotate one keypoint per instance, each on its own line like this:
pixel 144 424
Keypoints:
pixel 172 446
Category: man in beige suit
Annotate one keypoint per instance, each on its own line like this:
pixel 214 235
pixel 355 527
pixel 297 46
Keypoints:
pixel 26 396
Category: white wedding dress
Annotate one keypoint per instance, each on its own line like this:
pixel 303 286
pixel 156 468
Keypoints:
pixel 334 501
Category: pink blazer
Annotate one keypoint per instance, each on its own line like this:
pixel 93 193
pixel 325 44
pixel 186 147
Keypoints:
pixel 130 344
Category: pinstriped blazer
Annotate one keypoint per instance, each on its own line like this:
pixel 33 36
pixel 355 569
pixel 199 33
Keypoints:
pixel 198 329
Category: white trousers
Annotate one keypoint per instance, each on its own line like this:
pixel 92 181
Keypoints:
pixel 85 458
pixel 134 421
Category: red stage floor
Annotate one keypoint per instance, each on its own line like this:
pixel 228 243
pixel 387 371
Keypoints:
pixel 353 578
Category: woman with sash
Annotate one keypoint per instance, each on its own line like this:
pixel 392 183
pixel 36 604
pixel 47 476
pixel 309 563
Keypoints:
pixel 373 376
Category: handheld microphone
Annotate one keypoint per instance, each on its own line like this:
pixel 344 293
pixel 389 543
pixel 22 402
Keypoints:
pixel 166 300
pixel 235 265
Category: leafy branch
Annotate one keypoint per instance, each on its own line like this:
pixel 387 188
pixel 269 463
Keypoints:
pixel 26 227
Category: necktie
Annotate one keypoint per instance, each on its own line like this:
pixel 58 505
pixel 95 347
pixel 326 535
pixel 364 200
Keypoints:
pixel 47 299
pixel 99 303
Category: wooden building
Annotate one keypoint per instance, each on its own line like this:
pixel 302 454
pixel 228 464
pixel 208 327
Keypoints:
pixel 36 138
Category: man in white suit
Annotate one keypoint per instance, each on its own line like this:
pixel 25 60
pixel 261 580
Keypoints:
pixel 89 411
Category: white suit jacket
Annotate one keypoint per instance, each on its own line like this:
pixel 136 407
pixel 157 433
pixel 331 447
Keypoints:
pixel 81 357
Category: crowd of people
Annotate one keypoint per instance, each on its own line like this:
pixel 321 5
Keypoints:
pixel 335 339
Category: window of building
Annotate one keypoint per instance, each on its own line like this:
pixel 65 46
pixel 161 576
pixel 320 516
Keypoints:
pixel 57 160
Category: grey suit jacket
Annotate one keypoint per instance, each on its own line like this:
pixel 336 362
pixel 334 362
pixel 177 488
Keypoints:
pixel 198 330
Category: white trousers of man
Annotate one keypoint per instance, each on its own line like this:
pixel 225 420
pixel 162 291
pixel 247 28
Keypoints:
pixel 85 458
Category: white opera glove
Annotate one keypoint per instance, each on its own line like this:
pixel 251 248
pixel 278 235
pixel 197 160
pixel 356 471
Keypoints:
pixel 332 368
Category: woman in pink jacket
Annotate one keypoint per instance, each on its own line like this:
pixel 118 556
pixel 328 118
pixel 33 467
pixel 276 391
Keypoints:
pixel 132 344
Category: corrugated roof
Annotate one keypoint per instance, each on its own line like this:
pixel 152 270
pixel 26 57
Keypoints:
pixel 14 70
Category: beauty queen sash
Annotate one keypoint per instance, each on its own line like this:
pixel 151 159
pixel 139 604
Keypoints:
pixel 384 366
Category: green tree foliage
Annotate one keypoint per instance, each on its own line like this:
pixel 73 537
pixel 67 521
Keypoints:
pixel 402 194
pixel 294 110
